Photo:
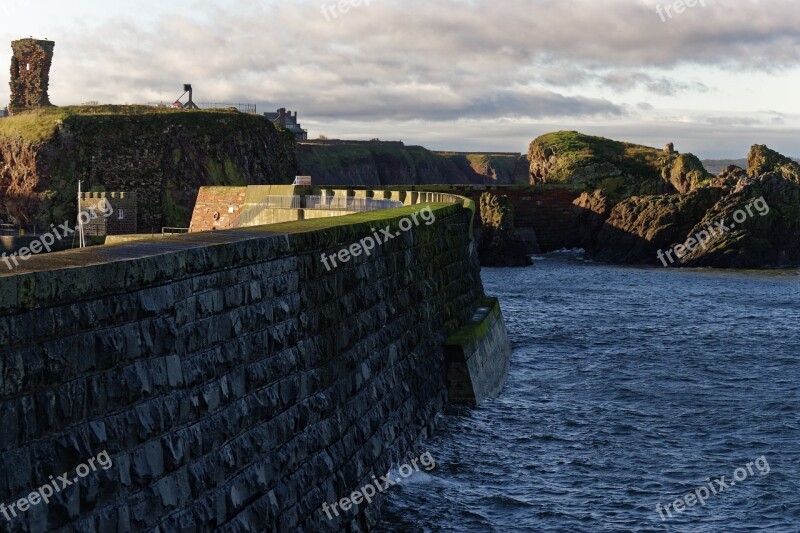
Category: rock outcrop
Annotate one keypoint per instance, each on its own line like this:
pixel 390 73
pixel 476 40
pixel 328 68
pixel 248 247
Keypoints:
pixel 739 219
pixel 762 215
pixel 638 227
pixel 499 245
pixel 620 169
pixel 162 154
pixel 762 160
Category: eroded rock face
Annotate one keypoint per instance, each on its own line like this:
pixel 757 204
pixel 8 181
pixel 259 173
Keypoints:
pixel 763 220
pixel 684 172
pixel 499 245
pixel 163 157
pixel 638 227
pixel 543 160
pixel 593 209
pixel 739 220
pixel 761 160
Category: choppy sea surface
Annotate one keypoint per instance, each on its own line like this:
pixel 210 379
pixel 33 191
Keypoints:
pixel 629 388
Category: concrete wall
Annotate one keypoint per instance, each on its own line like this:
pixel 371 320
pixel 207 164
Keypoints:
pixel 11 245
pixel 220 208
pixel 235 382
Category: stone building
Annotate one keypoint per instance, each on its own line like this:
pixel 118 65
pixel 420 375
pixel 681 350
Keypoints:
pixel 287 120
pixel 112 213
pixel 30 74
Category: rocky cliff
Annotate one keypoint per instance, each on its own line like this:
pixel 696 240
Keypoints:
pixel 621 169
pixel 499 245
pixel 162 154
pixel 761 209
pixel 493 168
pixel 633 230
pixel 741 219
pixel 376 163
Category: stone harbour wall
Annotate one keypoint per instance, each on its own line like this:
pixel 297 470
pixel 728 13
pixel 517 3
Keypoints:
pixel 478 357
pixel 235 382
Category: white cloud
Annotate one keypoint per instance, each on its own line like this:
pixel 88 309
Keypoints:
pixel 438 63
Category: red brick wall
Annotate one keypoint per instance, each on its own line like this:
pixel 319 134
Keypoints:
pixel 218 208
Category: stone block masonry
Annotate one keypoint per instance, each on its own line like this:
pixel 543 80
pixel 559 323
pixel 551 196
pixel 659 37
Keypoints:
pixel 235 383
pixel 478 356
pixel 123 206
pixel 30 74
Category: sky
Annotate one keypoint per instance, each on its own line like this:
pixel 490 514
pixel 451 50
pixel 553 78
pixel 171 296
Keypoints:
pixel 466 75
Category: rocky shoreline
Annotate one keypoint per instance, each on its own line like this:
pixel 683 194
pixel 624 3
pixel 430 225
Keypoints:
pixel 619 224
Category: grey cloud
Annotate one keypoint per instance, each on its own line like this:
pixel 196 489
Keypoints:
pixel 415 60
pixel 705 140
pixel 623 80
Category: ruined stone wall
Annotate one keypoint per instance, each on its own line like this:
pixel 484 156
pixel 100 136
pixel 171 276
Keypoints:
pixel 30 74
pixel 235 382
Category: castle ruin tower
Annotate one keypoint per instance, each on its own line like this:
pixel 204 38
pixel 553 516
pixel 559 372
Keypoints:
pixel 30 74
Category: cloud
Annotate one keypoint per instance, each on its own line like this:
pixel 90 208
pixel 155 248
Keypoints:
pixel 434 61
pixel 706 140
pixel 455 57
pixel 624 80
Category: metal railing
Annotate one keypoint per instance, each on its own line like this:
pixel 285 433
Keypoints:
pixel 253 211
pixel 173 231
pixel 9 230
pixel 242 108
pixel 278 202
pixel 330 203
pixel 348 203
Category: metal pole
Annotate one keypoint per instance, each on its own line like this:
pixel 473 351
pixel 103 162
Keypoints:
pixel 81 240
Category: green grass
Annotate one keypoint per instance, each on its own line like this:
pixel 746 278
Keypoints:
pixel 322 160
pixel 33 126
pixel 475 331
pixel 622 168
pixel 40 125
pixel 368 217
pixel 576 150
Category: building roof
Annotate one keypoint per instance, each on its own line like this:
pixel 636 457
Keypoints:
pixel 289 120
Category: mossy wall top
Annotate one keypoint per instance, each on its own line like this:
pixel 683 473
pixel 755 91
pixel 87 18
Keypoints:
pixel 162 154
